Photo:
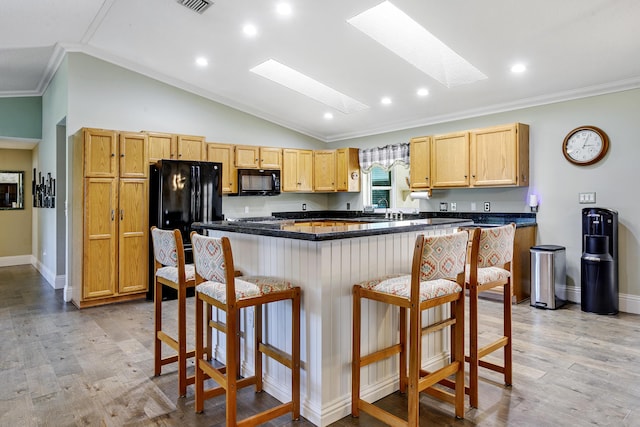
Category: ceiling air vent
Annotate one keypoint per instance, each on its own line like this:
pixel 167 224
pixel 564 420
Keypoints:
pixel 196 5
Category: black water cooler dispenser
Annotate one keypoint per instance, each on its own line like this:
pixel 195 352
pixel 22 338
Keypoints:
pixel 599 264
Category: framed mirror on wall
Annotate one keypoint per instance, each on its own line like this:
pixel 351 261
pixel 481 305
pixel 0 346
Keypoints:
pixel 11 190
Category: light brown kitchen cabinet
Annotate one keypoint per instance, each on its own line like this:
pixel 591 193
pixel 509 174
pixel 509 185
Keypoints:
pixel 297 170
pixel 450 160
pixel 500 156
pixel 162 146
pixel 255 157
pixel 347 170
pixel 224 153
pixel 110 217
pixel 420 163
pixel 324 170
pixel 190 147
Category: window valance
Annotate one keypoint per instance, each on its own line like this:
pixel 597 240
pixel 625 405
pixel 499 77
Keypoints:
pixel 384 157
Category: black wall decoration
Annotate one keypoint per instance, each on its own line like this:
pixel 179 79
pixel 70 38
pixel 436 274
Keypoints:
pixel 43 190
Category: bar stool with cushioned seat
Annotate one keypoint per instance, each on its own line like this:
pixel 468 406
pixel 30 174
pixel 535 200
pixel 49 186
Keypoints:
pixel 217 286
pixel 437 278
pixel 170 270
pixel 490 267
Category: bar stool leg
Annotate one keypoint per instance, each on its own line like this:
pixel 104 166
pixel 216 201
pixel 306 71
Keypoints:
pixel 182 341
pixel 157 320
pixel 355 365
pixel 473 347
pixel 258 340
pixel 508 361
pixel 403 350
pixel 295 355
pixel 199 384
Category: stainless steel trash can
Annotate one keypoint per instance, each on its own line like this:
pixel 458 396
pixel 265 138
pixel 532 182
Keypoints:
pixel 548 276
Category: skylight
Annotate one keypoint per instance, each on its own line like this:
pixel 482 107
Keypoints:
pixel 399 33
pixel 292 79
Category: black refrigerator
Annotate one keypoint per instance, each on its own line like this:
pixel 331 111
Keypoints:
pixel 181 193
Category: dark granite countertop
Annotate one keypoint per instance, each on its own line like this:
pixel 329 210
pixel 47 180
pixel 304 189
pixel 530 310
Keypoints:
pixel 301 229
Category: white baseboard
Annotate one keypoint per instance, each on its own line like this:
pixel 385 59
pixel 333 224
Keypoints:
pixel 8 261
pixel 627 303
pixel 56 282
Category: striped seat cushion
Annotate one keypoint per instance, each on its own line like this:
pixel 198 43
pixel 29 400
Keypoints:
pixel 171 273
pixel 400 285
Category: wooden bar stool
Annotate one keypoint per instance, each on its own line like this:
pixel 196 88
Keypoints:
pixel 218 287
pixel 170 270
pixel 437 278
pixel 490 267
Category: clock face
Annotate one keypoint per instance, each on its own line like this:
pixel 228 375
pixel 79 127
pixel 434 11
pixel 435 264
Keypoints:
pixel 585 145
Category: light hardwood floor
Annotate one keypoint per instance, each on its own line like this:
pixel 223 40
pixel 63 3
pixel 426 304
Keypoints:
pixel 60 366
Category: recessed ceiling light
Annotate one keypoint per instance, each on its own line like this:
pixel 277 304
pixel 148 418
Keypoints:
pixel 328 116
pixel 423 92
pixel 385 100
pixel 399 33
pixel 201 61
pixel 283 9
pixel 295 80
pixel 518 68
pixel 250 30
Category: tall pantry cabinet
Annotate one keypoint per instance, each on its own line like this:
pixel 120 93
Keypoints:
pixel 110 216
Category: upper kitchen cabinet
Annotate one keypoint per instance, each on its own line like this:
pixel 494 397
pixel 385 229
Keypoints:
pixel 133 155
pixel 100 148
pixel 420 163
pixel 224 153
pixel 255 157
pixel 450 160
pixel 500 156
pixel 324 170
pixel 297 170
pixel 347 170
pixel 162 146
pixel 190 148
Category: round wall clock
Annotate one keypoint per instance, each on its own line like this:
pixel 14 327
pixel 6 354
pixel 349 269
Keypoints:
pixel 585 145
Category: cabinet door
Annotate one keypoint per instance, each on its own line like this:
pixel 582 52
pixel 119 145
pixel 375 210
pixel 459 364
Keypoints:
pixel 224 154
pixel 347 169
pixel 305 171
pixel 134 155
pixel 190 147
pixel 100 148
pixel 100 239
pixel 450 160
pixel 420 164
pixel 270 158
pixel 324 170
pixel 497 155
pixel 289 174
pixel 133 238
pixel 247 156
pixel 161 146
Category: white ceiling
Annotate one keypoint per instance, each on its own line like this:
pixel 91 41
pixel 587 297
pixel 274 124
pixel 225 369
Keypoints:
pixel 572 48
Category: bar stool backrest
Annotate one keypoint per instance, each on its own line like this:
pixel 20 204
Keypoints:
pixel 496 246
pixel 444 256
pixel 165 250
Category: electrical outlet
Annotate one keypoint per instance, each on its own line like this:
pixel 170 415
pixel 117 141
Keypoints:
pixel 304 206
pixel 443 206
pixel 487 206
pixel 587 198
pixel 454 206
pixel 348 206
pixel 246 209
pixel 473 206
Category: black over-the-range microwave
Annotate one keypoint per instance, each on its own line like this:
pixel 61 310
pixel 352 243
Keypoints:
pixel 258 182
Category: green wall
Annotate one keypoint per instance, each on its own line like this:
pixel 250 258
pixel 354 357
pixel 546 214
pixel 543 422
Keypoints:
pixel 21 117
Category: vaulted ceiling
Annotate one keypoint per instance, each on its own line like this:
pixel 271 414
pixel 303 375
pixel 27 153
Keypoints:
pixel 571 48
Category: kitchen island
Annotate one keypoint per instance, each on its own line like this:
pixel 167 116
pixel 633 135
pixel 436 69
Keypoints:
pixel 326 258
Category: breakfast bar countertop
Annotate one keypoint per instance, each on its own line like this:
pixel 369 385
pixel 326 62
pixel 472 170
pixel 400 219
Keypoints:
pixel 344 228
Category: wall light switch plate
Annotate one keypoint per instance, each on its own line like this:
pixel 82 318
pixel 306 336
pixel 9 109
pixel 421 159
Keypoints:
pixel 454 206
pixel 443 206
pixel 587 198
pixel 473 206
pixel 487 206
pixel 304 206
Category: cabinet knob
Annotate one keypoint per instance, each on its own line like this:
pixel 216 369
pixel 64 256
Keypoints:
pixel 122 155
pixel 113 154
pixel 473 176
pixel 121 214
pixel 427 178
pixel 112 215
